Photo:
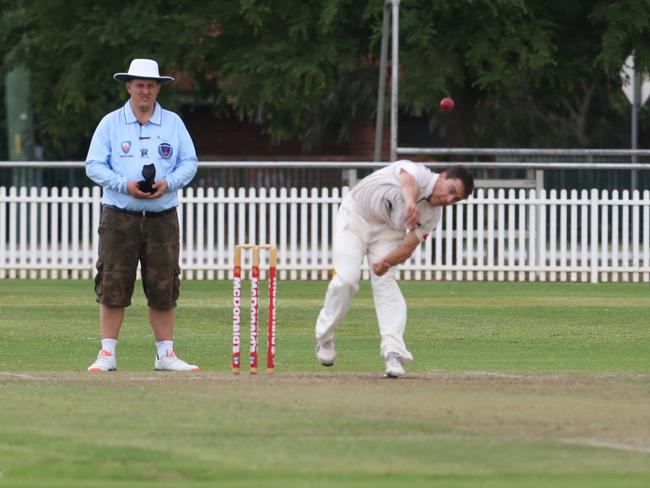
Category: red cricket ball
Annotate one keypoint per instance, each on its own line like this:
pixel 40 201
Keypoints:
pixel 447 104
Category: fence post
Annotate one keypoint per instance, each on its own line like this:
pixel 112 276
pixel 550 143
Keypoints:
pixel 594 235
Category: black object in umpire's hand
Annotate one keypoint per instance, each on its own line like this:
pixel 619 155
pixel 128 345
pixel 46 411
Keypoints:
pixel 149 175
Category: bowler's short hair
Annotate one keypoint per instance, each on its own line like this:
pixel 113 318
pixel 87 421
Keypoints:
pixel 461 173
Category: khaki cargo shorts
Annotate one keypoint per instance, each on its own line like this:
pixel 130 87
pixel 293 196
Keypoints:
pixel 126 239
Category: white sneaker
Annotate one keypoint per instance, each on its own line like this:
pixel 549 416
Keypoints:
pixel 394 368
pixel 105 362
pixel 171 362
pixel 326 352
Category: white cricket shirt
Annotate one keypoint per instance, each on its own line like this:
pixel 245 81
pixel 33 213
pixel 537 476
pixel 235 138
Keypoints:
pixel 379 197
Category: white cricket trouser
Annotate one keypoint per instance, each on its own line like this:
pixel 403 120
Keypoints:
pixel 355 238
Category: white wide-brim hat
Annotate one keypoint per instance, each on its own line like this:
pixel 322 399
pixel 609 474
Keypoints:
pixel 143 69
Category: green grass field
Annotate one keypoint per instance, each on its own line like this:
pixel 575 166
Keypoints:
pixel 513 385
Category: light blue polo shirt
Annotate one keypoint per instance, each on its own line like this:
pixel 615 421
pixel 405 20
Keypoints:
pixel 120 147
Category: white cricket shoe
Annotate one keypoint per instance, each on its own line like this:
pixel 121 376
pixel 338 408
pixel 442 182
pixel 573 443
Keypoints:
pixel 171 362
pixel 394 368
pixel 326 352
pixel 105 362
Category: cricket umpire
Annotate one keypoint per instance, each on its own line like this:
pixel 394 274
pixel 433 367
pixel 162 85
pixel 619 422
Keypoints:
pixel 140 154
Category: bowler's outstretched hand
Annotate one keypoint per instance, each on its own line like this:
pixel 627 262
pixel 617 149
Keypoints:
pixel 380 267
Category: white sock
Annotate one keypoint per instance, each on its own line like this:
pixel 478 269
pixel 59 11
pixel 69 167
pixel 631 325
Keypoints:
pixel 109 345
pixel 164 347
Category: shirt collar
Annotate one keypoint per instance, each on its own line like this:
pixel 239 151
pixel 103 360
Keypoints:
pixel 130 118
pixel 428 189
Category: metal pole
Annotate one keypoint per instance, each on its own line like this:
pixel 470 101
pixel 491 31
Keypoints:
pixel 484 151
pixel 394 81
pixel 518 165
pixel 636 101
pixel 379 126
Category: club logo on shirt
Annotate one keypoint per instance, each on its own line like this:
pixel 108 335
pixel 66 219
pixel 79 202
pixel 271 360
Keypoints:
pixel 144 152
pixel 165 150
pixel 126 146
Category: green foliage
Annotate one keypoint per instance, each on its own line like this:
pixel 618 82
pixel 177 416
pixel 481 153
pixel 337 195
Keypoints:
pixel 72 50
pixel 626 29
pixel 548 68
pixel 298 55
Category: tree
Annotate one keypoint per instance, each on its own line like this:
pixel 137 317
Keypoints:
pixel 481 52
pixel 278 64
pixel 523 72
pixel 527 73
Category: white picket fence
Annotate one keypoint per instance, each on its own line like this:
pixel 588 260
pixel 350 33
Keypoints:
pixel 496 235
